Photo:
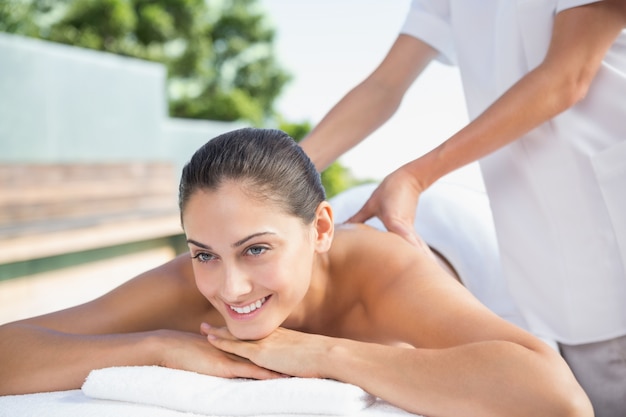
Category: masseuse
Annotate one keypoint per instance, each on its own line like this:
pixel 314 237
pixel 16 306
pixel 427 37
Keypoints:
pixel 545 84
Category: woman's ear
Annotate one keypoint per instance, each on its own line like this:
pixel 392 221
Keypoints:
pixel 324 227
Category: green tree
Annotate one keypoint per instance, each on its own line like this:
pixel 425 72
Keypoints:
pixel 336 178
pixel 218 53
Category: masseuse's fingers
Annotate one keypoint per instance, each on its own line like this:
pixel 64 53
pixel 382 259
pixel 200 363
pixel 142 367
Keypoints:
pixel 394 203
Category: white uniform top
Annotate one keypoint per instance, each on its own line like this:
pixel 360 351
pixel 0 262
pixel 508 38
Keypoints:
pixel 558 194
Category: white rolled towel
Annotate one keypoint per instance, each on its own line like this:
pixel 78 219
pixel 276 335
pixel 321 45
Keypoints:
pixel 203 394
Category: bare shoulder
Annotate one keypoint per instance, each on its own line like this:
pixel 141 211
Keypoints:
pixel 409 297
pixel 377 254
pixel 381 265
pixel 163 297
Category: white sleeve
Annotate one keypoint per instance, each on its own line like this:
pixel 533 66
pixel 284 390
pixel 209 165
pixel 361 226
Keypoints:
pixel 568 4
pixel 429 21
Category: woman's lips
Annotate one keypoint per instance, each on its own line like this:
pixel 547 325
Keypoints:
pixel 247 311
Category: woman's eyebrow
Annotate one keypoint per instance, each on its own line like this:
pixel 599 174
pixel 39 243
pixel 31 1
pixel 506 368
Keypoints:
pixel 245 239
pixel 234 245
pixel 198 244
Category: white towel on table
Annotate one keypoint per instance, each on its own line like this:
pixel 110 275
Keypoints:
pixel 75 403
pixel 202 394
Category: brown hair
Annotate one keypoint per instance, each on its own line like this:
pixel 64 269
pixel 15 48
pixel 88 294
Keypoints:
pixel 268 163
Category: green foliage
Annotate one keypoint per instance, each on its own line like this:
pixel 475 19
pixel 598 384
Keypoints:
pixel 336 178
pixel 294 129
pixel 218 53
pixel 12 18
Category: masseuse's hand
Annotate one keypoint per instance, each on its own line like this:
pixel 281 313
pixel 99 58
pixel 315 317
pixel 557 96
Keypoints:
pixel 288 352
pixel 394 202
pixel 191 352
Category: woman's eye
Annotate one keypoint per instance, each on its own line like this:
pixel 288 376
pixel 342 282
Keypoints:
pixel 256 250
pixel 204 257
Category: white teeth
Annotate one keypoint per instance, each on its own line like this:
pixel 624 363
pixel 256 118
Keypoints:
pixel 249 308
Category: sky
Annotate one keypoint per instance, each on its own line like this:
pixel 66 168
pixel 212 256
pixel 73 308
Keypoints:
pixel 329 46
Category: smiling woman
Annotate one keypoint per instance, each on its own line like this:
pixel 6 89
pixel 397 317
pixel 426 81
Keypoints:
pixel 269 248
pixel 271 288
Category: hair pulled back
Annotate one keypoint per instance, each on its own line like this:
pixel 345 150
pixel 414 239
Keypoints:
pixel 267 163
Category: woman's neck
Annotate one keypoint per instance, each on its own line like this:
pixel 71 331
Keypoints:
pixel 315 306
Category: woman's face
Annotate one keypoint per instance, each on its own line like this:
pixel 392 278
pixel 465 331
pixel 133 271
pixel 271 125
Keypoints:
pixel 251 260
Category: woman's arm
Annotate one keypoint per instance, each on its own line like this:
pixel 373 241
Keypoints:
pixel 154 319
pixel 465 357
pixel 490 378
pixel 486 378
pixel 370 104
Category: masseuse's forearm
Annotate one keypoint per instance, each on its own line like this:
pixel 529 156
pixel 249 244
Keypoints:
pixel 35 359
pixel 493 378
pixel 558 83
pixel 370 104
pixel 532 101
pixel 363 110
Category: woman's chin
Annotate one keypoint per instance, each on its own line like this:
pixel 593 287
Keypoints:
pixel 249 333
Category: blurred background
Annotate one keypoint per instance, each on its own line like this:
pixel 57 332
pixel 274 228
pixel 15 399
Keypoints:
pixel 103 101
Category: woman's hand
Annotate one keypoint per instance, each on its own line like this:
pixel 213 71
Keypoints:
pixel 191 352
pixel 284 351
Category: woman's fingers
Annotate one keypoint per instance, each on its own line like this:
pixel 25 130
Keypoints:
pixel 250 370
pixel 237 365
pixel 222 339
pixel 287 352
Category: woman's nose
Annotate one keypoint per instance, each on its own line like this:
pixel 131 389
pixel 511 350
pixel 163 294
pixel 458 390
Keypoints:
pixel 235 285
